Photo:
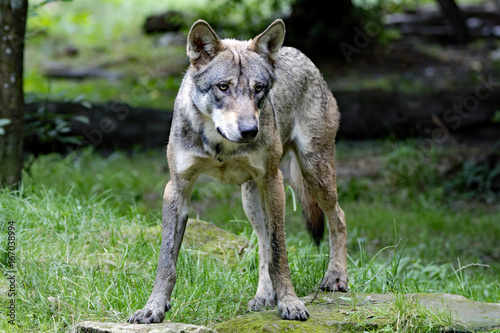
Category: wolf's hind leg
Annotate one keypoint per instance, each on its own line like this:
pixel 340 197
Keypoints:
pixel 320 179
pixel 336 275
pixel 265 296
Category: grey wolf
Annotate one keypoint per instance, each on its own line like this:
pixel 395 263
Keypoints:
pixel 241 106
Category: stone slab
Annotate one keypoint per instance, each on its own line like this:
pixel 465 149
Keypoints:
pixel 107 327
pixel 338 312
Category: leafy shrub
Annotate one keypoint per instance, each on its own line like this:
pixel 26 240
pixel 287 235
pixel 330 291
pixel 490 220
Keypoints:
pixel 45 130
pixel 476 178
pixel 243 19
pixel 411 166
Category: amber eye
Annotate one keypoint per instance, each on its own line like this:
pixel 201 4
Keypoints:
pixel 259 87
pixel 223 86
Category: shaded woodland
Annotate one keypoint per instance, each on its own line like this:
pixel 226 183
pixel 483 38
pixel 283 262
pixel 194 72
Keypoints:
pixel 423 71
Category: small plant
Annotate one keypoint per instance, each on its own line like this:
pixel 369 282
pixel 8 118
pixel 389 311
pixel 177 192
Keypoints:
pixel 49 129
pixel 477 178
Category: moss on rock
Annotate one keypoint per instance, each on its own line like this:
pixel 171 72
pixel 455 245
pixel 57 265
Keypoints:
pixel 214 241
pixel 336 312
pixel 324 317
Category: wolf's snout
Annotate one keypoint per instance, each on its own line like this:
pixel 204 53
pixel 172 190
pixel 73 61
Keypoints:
pixel 248 131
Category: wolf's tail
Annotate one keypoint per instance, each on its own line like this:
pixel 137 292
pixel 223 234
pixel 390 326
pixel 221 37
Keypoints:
pixel 312 213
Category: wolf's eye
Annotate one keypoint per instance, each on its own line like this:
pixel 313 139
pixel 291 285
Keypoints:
pixel 223 86
pixel 259 87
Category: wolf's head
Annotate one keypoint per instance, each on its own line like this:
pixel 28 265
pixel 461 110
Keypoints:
pixel 232 78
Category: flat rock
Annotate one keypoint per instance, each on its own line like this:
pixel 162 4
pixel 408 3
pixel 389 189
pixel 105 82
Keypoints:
pixel 57 71
pixel 103 327
pixel 333 312
pixel 338 312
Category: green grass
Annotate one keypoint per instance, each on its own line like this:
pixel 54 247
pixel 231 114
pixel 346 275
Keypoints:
pixel 87 246
pixel 86 249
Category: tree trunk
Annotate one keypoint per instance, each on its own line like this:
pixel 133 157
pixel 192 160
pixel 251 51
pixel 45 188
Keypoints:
pixel 12 29
pixel 451 10
pixel 317 27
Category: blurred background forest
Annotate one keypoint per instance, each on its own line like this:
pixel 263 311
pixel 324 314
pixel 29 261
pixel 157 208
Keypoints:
pixel 418 157
pixel 98 74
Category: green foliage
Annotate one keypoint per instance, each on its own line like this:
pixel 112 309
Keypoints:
pixel 388 35
pixel 242 19
pixel 102 39
pixel 50 128
pixel 412 166
pixel 474 180
pixel 477 175
pixel 391 5
pixel 496 117
pixel 136 183
pixel 356 189
pixel 419 170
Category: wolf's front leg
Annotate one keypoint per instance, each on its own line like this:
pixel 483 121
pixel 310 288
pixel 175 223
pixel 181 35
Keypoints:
pixel 273 197
pixel 265 297
pixel 174 218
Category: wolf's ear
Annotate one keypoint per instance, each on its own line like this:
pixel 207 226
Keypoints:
pixel 269 42
pixel 203 44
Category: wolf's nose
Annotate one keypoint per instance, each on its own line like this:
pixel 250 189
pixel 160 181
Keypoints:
pixel 248 132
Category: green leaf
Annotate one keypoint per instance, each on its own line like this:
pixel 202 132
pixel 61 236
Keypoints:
pixel 496 117
pixel 86 105
pixel 70 140
pixel 79 98
pixel 82 119
pixel 65 214
pixel 5 122
pixel 347 299
pixel 64 130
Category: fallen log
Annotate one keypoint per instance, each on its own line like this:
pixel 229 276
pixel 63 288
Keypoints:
pixel 365 115
pixel 58 72
pixel 109 127
pixel 480 20
pixel 376 114
pixel 170 21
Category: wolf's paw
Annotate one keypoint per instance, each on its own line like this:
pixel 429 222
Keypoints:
pixel 334 282
pixel 262 302
pixel 292 309
pixel 152 313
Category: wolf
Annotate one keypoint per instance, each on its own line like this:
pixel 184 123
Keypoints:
pixel 241 106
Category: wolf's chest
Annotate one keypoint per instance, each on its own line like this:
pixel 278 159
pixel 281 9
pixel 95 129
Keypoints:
pixel 235 171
